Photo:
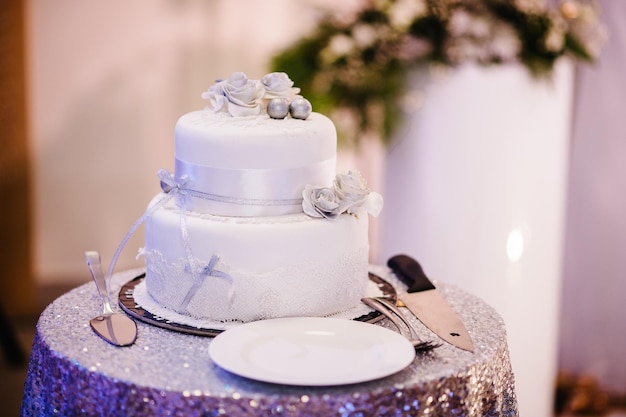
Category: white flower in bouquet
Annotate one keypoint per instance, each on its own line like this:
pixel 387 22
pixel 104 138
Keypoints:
pixel 505 44
pixel 477 38
pixel 581 22
pixel 237 95
pixel 411 49
pixel 530 6
pixel 555 39
pixel 339 46
pixel 364 35
pixel 463 23
pixel 403 12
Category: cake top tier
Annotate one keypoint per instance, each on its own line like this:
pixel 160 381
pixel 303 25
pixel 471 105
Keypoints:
pixel 254 149
pixel 259 150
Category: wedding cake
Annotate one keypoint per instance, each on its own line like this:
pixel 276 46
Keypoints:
pixel 254 223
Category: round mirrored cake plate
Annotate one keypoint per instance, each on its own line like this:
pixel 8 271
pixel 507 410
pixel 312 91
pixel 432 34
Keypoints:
pixel 129 305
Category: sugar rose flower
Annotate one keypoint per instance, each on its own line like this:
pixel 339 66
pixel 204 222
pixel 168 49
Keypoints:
pixel 278 85
pixel 351 189
pixel 320 202
pixel 354 196
pixel 237 95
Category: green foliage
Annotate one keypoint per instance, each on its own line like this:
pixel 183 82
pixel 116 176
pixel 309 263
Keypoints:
pixel 359 66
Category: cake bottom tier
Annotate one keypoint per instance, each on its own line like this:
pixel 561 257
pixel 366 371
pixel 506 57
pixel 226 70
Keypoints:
pixel 245 269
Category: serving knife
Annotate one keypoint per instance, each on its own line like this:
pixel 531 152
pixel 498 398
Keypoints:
pixel 427 303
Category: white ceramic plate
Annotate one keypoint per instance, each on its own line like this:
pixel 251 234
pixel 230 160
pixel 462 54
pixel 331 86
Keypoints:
pixel 311 351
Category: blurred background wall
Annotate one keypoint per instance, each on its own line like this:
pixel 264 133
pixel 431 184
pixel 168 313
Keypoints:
pixel 106 82
pixel 593 312
pixel 15 176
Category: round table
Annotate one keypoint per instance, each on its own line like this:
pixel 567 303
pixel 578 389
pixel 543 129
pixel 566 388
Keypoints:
pixel 165 373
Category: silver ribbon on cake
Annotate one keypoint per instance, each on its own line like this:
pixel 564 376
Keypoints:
pixel 251 191
pixel 172 187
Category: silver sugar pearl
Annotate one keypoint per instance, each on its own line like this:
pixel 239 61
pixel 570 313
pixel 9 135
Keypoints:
pixel 300 108
pixel 278 108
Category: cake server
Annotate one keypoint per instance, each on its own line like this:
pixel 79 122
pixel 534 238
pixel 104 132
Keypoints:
pixel 116 328
pixel 427 303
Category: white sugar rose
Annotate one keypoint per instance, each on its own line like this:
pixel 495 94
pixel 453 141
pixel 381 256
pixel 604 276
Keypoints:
pixel 278 85
pixel 215 95
pixel 351 190
pixel 320 202
pixel 354 196
pixel 238 95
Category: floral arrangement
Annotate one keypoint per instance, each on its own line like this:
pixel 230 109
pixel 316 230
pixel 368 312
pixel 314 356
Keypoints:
pixel 356 65
pixel 349 194
pixel 273 94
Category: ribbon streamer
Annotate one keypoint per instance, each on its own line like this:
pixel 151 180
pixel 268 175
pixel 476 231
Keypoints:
pixel 167 185
pixel 172 187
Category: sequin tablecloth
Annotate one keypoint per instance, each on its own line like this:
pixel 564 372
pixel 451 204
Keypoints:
pixel 74 372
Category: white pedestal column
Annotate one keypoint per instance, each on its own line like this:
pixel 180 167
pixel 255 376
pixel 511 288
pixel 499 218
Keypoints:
pixel 475 188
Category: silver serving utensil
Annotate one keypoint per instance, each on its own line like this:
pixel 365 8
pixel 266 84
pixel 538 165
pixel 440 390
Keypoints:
pixel 397 318
pixel 116 328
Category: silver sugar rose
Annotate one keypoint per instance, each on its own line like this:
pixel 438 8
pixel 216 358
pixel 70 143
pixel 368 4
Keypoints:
pixel 274 95
pixel 349 194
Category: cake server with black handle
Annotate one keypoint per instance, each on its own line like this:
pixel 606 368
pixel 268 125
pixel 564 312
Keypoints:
pixel 427 303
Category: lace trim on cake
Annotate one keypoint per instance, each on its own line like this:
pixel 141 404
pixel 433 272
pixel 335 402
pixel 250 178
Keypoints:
pixel 144 300
pixel 195 277
pixel 289 290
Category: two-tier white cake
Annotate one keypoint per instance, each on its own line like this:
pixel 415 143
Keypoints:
pixel 254 223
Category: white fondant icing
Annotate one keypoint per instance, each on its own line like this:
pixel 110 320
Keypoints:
pixel 280 266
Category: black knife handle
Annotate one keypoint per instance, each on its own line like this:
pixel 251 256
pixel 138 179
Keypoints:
pixel 410 272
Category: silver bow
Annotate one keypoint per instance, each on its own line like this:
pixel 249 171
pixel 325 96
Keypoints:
pixel 169 183
pixel 207 271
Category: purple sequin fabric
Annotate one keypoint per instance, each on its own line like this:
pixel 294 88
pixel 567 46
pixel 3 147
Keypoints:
pixel 74 372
